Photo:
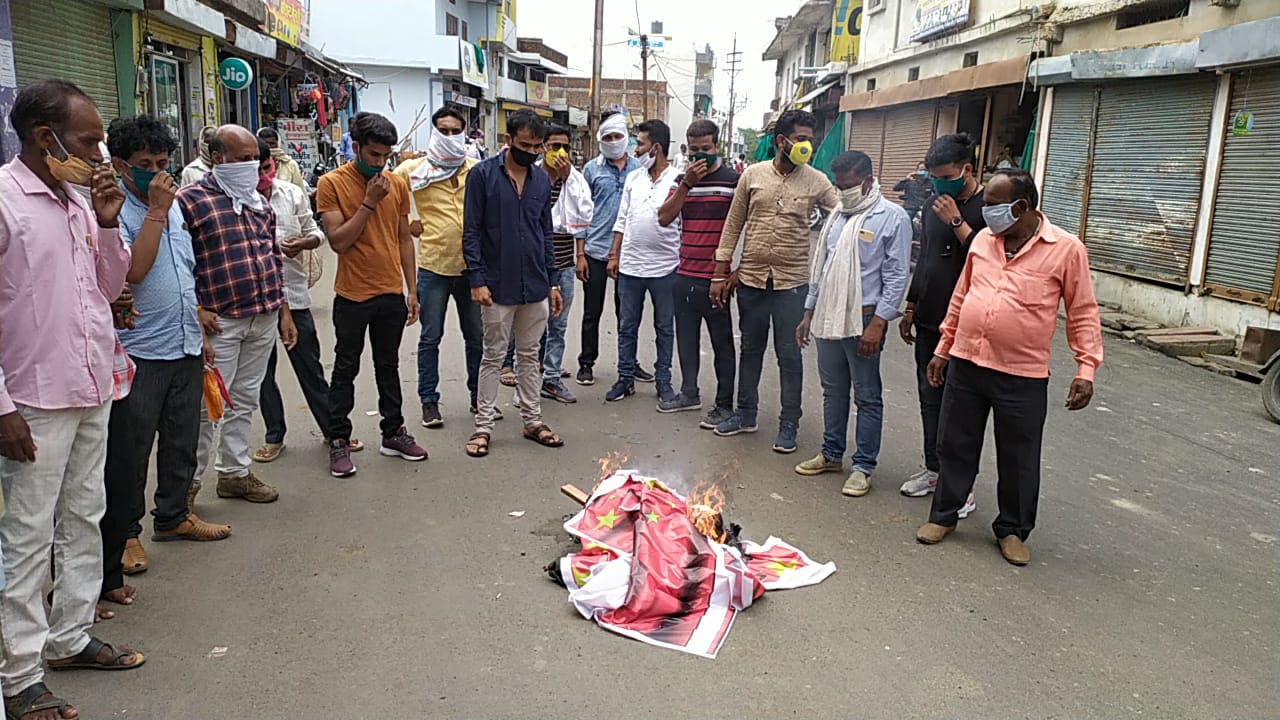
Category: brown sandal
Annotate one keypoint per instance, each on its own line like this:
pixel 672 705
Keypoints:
pixel 478 444
pixel 507 376
pixel 542 435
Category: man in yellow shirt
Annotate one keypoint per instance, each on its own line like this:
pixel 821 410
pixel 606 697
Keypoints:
pixel 437 182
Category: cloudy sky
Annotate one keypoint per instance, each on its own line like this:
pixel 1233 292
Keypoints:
pixel 566 25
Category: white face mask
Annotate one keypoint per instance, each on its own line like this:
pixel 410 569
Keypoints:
pixel 447 150
pixel 239 180
pixel 613 149
pixel 850 198
pixel 646 160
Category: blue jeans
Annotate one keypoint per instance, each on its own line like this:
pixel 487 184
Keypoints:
pixel 839 366
pixel 631 292
pixel 553 340
pixel 756 309
pixel 434 292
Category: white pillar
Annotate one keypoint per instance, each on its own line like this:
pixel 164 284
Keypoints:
pixel 1043 119
pixel 1212 169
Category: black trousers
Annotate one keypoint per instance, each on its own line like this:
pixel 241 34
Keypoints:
pixel 165 400
pixel 927 340
pixel 593 294
pixel 693 306
pixel 383 317
pixel 1019 405
pixel 305 359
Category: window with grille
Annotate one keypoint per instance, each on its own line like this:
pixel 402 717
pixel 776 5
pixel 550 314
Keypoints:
pixel 450 25
pixel 913 74
pixel 871 84
pixel 970 59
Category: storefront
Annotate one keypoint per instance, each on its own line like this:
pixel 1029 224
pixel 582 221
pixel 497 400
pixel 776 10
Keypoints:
pixel 73 40
pixel 176 90
pixel 1125 163
pixel 303 95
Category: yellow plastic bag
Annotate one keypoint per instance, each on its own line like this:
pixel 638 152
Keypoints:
pixel 215 393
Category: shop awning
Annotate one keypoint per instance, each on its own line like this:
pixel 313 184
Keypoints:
pixel 1243 44
pixel 508 105
pixel 1154 61
pixel 1004 72
pixel 255 42
pixel 813 94
pixel 329 64
pixel 534 60
pixel 190 16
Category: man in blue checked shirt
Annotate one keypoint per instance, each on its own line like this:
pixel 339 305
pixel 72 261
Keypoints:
pixel 857 281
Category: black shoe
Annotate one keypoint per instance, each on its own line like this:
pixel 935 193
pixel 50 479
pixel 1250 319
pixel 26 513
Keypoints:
pixel 585 376
pixel 643 375
pixel 620 389
pixel 431 415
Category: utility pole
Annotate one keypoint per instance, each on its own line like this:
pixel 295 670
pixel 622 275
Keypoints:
pixel 644 73
pixel 735 57
pixel 597 51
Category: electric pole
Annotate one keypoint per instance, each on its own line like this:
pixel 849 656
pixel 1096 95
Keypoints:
pixel 644 73
pixel 735 57
pixel 597 51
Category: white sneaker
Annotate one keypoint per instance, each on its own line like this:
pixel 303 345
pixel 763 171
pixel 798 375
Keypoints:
pixel 920 484
pixel 969 506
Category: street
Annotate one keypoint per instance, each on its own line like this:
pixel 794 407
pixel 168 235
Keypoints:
pixel 408 590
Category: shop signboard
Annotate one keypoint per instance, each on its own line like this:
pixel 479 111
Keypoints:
pixel 536 93
pixel 235 73
pixel 287 20
pixel 938 17
pixel 846 29
pixel 469 61
pixel 298 138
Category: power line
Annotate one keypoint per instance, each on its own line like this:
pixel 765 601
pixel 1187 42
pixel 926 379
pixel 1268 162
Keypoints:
pixel 668 82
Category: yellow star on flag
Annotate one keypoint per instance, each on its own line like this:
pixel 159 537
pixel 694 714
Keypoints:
pixel 580 576
pixel 779 566
pixel 652 516
pixel 608 520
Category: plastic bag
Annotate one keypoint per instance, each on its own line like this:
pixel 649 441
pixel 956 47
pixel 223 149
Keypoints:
pixel 215 393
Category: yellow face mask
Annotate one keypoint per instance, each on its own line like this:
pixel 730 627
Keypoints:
pixel 73 170
pixel 800 152
pixel 560 154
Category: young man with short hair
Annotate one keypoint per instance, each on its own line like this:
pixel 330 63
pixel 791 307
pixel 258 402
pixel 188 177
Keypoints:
pixel 571 214
pixel 606 175
pixel 240 286
pixel 62 262
pixel 507 242
pixel 856 283
pixel 287 168
pixel 772 205
pixel 168 350
pixel 437 185
pixel 643 259
pixel 701 201
pixel 994 357
pixel 365 210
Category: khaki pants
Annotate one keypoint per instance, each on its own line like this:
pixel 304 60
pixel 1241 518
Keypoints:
pixel 54 507
pixel 527 323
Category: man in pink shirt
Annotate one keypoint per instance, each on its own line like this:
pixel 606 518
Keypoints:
pixel 994 357
pixel 62 261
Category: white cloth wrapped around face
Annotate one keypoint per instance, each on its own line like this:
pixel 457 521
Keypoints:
pixel 838 312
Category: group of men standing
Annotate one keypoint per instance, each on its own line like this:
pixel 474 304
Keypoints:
pixel 207 275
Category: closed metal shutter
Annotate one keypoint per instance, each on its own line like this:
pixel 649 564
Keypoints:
pixel 67 40
pixel 1244 242
pixel 908 134
pixel 1066 166
pixel 1145 183
pixel 866 134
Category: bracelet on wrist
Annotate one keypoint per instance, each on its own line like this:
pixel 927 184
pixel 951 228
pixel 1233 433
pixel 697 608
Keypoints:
pixel 719 279
pixel 367 206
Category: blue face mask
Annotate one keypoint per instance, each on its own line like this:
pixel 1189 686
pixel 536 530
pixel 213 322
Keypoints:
pixel 141 179
pixel 999 218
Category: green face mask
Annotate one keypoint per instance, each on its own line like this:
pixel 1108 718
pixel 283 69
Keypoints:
pixel 367 170
pixel 950 187
pixel 708 157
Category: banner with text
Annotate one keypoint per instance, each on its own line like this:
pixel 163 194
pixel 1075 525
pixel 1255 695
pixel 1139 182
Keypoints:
pixel 938 17
pixel 298 138
pixel 846 31
pixel 287 20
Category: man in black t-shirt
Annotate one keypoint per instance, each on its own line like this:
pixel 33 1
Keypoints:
pixel 950 219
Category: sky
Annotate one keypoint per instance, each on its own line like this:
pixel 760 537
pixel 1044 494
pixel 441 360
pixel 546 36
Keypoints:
pixel 567 26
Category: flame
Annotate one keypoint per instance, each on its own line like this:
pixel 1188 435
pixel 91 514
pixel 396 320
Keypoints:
pixel 706 503
pixel 612 463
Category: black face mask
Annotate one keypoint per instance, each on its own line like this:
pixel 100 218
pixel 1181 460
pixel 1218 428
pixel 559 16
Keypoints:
pixel 522 158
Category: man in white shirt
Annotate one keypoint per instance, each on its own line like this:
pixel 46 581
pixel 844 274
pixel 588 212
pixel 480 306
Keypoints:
pixel 298 236
pixel 198 168
pixel 644 259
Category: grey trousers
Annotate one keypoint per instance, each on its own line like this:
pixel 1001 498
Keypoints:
pixel 240 353
pixel 527 323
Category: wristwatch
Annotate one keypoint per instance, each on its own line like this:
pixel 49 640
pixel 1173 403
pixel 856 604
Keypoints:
pixel 958 221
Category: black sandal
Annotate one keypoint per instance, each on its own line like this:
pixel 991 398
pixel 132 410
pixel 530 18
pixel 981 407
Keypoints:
pixel 542 435
pixel 87 659
pixel 474 448
pixel 28 701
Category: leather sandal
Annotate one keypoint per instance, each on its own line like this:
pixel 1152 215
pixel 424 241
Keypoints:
pixel 87 659
pixel 29 702
pixel 134 560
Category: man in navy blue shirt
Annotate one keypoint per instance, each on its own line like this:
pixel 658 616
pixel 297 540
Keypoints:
pixel 510 262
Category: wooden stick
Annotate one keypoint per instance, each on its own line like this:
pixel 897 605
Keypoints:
pixel 575 494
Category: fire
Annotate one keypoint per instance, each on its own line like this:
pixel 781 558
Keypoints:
pixel 612 463
pixel 706 503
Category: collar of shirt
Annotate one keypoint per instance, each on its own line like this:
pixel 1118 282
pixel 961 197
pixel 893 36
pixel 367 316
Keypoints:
pixel 31 184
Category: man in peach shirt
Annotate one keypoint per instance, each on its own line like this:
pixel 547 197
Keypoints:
pixel 994 356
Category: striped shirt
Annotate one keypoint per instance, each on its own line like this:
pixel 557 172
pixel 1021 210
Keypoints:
pixel 702 217
pixel 562 242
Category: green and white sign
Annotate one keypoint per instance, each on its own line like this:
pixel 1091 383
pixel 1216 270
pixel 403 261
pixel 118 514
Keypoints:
pixel 235 74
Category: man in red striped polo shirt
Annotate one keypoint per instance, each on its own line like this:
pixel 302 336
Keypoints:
pixel 701 200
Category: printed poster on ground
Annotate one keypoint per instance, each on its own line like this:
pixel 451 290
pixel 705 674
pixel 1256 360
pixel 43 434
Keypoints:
pixel 938 17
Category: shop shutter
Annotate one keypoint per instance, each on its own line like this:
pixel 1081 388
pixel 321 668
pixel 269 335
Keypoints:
pixel 67 40
pixel 866 134
pixel 1244 242
pixel 908 134
pixel 1148 169
pixel 1066 167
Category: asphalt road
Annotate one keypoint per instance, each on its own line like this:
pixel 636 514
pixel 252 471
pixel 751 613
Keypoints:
pixel 408 590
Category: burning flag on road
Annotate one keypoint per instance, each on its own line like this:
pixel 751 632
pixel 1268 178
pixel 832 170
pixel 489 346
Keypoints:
pixel 657 569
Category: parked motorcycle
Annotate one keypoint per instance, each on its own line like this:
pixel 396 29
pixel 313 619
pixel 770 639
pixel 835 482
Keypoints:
pixel 1271 386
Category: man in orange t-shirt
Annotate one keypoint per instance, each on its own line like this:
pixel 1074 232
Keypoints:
pixel 366 215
